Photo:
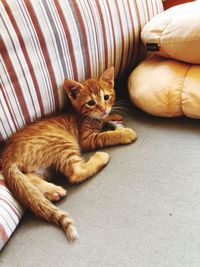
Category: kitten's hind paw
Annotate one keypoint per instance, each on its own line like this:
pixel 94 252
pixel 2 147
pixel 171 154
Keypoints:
pixel 54 193
pixel 103 157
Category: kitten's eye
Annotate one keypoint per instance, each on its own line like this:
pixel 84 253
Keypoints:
pixel 91 103
pixel 106 97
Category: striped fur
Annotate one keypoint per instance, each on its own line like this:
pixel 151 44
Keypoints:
pixel 58 141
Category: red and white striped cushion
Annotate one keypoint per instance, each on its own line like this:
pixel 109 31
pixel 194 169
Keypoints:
pixel 10 213
pixel 43 42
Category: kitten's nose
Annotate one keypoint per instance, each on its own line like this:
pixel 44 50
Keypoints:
pixel 102 109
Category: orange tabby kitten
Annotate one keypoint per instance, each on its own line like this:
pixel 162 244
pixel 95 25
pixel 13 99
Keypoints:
pixel 58 141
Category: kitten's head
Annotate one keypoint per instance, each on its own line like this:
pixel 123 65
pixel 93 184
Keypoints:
pixel 93 97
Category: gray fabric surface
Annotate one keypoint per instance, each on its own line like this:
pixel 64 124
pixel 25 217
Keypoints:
pixel 1 243
pixel 142 210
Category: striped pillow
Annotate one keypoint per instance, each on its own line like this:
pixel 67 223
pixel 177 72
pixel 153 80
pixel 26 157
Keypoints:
pixel 10 213
pixel 42 42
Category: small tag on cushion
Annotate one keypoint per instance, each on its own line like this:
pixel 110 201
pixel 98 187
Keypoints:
pixel 152 47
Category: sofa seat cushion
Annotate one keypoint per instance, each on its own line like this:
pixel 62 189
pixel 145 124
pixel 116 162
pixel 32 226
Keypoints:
pixel 175 33
pixel 166 87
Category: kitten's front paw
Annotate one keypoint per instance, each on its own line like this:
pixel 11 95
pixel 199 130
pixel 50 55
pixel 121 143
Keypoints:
pixel 127 135
pixel 114 117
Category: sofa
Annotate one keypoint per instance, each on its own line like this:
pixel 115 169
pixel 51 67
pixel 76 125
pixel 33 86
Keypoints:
pixel 130 213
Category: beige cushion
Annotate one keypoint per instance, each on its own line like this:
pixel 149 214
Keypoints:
pixel 176 33
pixel 166 87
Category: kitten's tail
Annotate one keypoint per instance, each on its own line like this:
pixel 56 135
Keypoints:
pixel 33 199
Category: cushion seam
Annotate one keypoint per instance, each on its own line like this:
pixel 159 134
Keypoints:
pixel 183 91
pixel 162 32
pixel 182 42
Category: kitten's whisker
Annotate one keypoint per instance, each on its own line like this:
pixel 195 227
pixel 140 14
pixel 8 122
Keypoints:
pixel 120 110
pixel 121 101
pixel 115 110
pixel 121 107
pixel 87 121
pixel 90 119
pixel 120 104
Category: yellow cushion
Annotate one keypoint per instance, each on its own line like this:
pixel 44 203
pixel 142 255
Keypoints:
pixel 176 33
pixel 166 87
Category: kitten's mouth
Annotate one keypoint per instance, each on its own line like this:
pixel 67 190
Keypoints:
pixel 104 115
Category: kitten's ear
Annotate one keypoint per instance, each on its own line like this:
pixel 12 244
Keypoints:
pixel 72 88
pixel 108 76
